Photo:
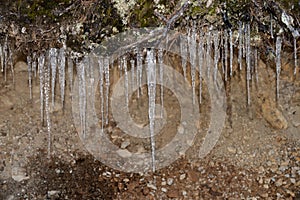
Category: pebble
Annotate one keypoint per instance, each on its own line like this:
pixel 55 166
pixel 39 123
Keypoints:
pixel 124 153
pixel 180 129
pixel 279 182
pixel 231 150
pixel 182 176
pixel 125 144
pixel 150 185
pixel 164 189
pixel 170 181
pixel 184 193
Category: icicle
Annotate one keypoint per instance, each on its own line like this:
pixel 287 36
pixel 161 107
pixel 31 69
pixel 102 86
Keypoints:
pixel 271 26
pixel 240 47
pixel 41 62
pixel 132 73
pixel 200 55
pixel 107 83
pixel 124 65
pixel 183 52
pixel 248 62
pixel 216 54
pixel 53 63
pixel 5 57
pixel 33 64
pixel 278 64
pixel 100 62
pixel 295 55
pixel 47 106
pixel 226 53
pixel 70 72
pixel 151 83
pixel 230 51
pixel 29 76
pixel 1 59
pixel 208 51
pixel 61 73
pixel 192 51
pixel 139 72
pixel 256 65
pixel 82 96
pixel 161 77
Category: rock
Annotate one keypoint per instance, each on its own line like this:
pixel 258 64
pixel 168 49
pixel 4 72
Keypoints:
pixel 19 174
pixel 279 182
pixel 182 176
pixel 53 194
pixel 231 150
pixel 124 153
pixel 170 181
pixel 272 115
pixel 164 190
pixel 295 116
pixel 180 129
pixel 125 144
pixel 150 185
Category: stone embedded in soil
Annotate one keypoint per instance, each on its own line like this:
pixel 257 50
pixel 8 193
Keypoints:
pixel 273 115
pixel 170 181
pixel 173 193
pixel 231 150
pixel 19 174
pixel 124 153
pixel 125 144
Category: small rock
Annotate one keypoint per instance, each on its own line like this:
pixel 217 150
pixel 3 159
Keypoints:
pixel 170 181
pixel 231 150
pixel 182 176
pixel 266 186
pixel 184 193
pixel 180 129
pixel 125 144
pixel 150 185
pixel 53 193
pixel 19 174
pixel 293 180
pixel 272 115
pixel 164 190
pixel 124 153
pixel 279 182
pixel 146 191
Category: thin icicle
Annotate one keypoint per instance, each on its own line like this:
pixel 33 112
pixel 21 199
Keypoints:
pixel 226 53
pixel 216 54
pixel 5 57
pixel 41 62
pixel 47 106
pixel 53 63
pixel 230 51
pixel 124 65
pixel 295 55
pixel 139 72
pixel 101 82
pixel 107 84
pixel 10 59
pixel 248 61
pixel 151 83
pixel 208 52
pixel 256 64
pixel 1 58
pixel 132 73
pixel 192 51
pixel 82 96
pixel 29 76
pixel 240 46
pixel 61 73
pixel 183 52
pixel 278 64
pixel 70 72
pixel 161 77
pixel 200 55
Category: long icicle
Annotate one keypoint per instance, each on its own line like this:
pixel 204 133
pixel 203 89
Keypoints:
pixel 183 54
pixel 70 72
pixel 248 54
pixel 216 54
pixel 278 64
pixel 41 61
pixel 47 106
pixel 53 63
pixel 124 63
pixel 107 84
pixel 82 96
pixel 240 46
pixel 61 73
pixel 151 82
pixel 29 75
pixel 200 55
pixel 101 82
pixel 230 51
pixel 192 52
pixel 161 77
pixel 295 55
pixel 226 53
